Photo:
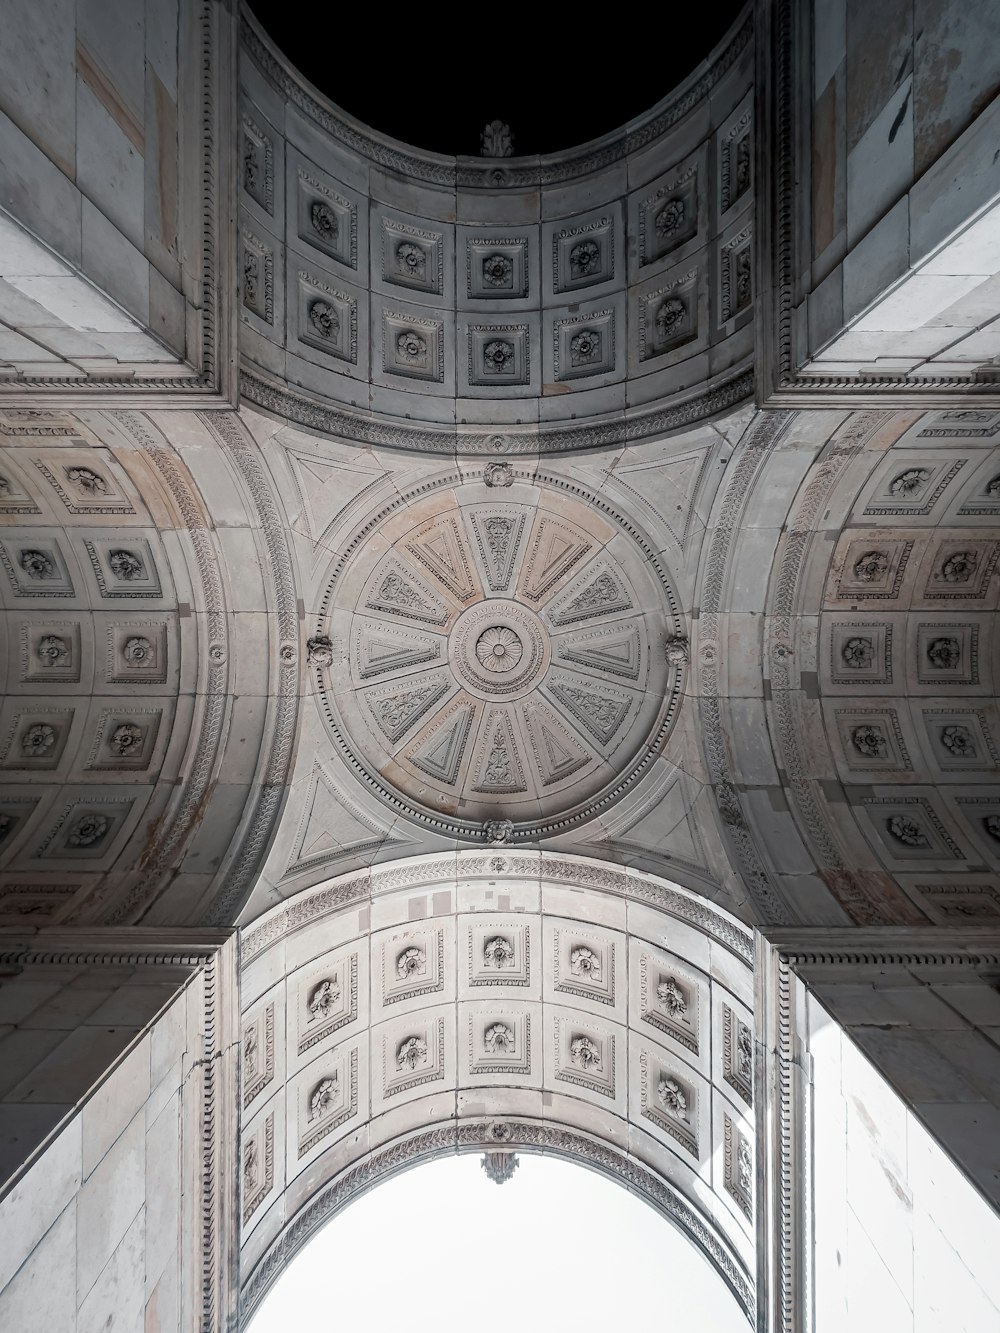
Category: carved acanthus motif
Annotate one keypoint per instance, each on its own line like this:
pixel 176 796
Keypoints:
pixel 394 710
pixel 871 566
pixel 604 714
pixel 323 997
pixel 499 1039
pixel 858 654
pixel 584 258
pixel 251 1053
pixel 395 591
pixel 251 277
pixel 496 140
pixel 250 1166
pixel 744 1052
pixel 498 270
pixel 742 165
pixel 126 565
pixel 37 565
pixel 498 952
pixel 958 740
pixel 90 483
pixel 498 355
pixel 585 347
pixel 744 1167
pixel 585 1053
pixel 87 831
pixel 411 1053
pixel 411 259
pixel 913 479
pixel 673 1098
pixel 585 963
pixel 944 653
pixel 323 1098
pixel 251 167
pixel 52 650
pixel 744 277
pixel 500 1166
pixel 324 319
pixel 907 831
pixel 411 962
pixel 38 739
pixel 959 566
pixel 498 771
pixel 869 741
pixel 672 997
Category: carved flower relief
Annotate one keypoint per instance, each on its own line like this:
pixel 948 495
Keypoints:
pixel 498 770
pixel 126 565
pixel 498 952
pixel 251 276
pixel 37 740
pixel 411 962
pixel 602 711
pixel 870 566
pixel 251 1052
pixel 411 1053
pixel 324 319
pixel 139 652
pixel 585 1053
pixel 672 997
pixel 52 651
pixel 742 166
pixel 411 345
pixel 37 565
pixel 498 270
pixel 88 830
pixel 744 1168
pixel 498 474
pixel 586 963
pixel 497 864
pixel 323 997
pixel 744 1052
pixel 913 479
pixel 499 1039
pixel 324 1097
pixel 670 318
pixel 992 825
pixel 958 740
pixel 907 831
pixel 498 357
pixel 869 741
pixel 394 710
pixel 251 165
pixel 959 567
pixel 584 259
pixel 325 222
pixel 91 483
pixel 585 347
pixel 498 832
pixel 126 739
pixel 744 274
pixel 499 649
pixel 411 259
pixel 670 218
pixel 250 1166
pixel 944 654
pixel 858 654
pixel 672 1098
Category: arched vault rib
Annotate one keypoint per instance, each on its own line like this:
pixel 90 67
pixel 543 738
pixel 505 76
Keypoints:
pixel 536 1001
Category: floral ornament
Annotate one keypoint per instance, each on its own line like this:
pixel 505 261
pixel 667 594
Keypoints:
pixel 498 270
pixel 251 170
pixel 670 218
pixel 324 1098
pixel 959 567
pixel 88 830
pixel 744 1052
pixel 584 258
pixel 499 649
pixel 909 481
pixel 585 1053
pixel 498 832
pixel 944 653
pixel 323 997
pixel 585 963
pixel 870 742
pixel 858 654
pixel 52 650
pixel 138 651
pixel 324 319
pixel 251 1051
pixel 411 259
pixel 499 952
pixel 673 1098
pixel 86 480
pixel 319 651
pixel 325 222
pixel 907 831
pixel 38 739
pixel 411 1052
pixel 958 740
pixel 498 761
pixel 744 276
pixel 585 347
pixel 742 165
pixel 500 1166
pixel 37 565
pixel 499 1039
pixel 498 356
pixel 671 317
pixel 126 565
pixel 498 865
pixel 250 1165
pixel 744 1167
pixel 678 650
pixel 871 566
pixel 125 739
pixel 410 962
pixel 496 140
pixel 498 474
pixel 411 346
pixel 671 996
pixel 500 1132
pixel 992 825
pixel 251 272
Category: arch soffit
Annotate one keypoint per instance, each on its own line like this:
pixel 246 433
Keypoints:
pixel 439 914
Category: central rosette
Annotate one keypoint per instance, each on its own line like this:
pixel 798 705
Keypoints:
pixel 499 648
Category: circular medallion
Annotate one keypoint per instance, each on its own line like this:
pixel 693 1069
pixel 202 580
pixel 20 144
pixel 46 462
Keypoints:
pixel 499 656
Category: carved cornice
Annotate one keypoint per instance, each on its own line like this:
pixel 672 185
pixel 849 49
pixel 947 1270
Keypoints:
pixel 290 405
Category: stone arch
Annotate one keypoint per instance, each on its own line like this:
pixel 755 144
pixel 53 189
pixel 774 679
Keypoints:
pixel 616 1030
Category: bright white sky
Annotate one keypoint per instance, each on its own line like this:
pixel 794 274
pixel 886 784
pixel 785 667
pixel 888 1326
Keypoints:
pixel 442 1248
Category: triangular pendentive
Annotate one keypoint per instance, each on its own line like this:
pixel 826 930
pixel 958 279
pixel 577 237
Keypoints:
pixel 397 709
pixel 617 653
pixel 379 650
pixel 398 591
pixel 599 711
pixel 556 548
pixel 600 591
pixel 498 538
pixel 439 753
pixel 440 549
pixel 556 753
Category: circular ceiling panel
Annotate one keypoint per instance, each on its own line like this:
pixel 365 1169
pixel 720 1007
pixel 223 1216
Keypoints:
pixel 499 658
